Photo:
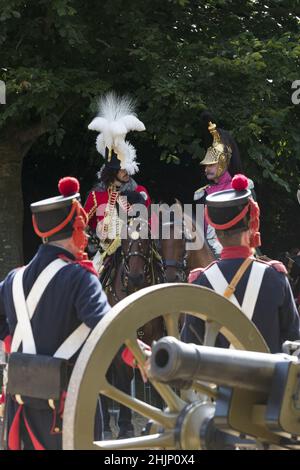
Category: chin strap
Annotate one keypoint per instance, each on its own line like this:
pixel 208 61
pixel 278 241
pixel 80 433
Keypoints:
pixel 254 224
pixel 80 237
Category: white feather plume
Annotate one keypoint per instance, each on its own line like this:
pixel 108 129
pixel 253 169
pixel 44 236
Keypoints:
pixel 100 145
pixel 97 124
pixel 116 117
pixel 132 123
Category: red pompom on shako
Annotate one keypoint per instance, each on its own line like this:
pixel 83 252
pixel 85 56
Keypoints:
pixel 239 182
pixel 68 186
pixel 227 209
pixel 62 217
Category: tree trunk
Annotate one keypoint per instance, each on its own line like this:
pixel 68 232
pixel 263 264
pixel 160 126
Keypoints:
pixel 15 142
pixel 11 207
pixel 14 145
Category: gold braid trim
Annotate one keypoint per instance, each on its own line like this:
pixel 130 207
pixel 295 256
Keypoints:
pixel 92 211
pixel 110 250
pixel 124 204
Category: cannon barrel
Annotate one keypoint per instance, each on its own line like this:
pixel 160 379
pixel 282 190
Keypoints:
pixel 173 360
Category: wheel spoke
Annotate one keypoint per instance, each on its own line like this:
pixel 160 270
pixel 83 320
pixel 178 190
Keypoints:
pixel 211 332
pixel 138 353
pixel 167 420
pixel 172 400
pixel 161 441
pixel 171 322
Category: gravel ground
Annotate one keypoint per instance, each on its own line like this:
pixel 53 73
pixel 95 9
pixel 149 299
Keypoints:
pixel 139 422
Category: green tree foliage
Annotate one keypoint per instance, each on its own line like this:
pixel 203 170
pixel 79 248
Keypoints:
pixel 177 57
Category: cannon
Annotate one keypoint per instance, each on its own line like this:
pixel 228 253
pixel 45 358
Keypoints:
pixel 257 394
pixel 120 327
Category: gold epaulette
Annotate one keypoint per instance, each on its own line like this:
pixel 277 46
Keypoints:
pixel 200 192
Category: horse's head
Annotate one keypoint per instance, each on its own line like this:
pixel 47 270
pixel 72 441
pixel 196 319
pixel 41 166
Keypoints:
pixel 173 243
pixel 173 253
pixel 137 255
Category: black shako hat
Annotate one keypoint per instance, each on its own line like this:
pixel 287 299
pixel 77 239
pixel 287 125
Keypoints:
pixel 53 218
pixel 225 205
pixel 234 209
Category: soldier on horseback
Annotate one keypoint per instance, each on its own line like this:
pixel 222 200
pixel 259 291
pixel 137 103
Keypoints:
pixel 222 161
pixel 113 196
pixel 115 190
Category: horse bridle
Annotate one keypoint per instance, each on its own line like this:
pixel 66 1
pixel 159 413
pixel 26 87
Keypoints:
pixel 181 266
pixel 147 256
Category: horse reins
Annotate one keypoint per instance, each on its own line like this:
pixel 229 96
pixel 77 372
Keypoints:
pixel 181 266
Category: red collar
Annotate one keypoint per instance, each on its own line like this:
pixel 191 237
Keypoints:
pixel 236 252
pixel 87 264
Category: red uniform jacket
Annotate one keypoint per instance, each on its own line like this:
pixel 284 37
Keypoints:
pixel 99 198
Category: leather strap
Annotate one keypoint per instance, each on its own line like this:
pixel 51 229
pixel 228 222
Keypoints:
pixel 219 284
pixel 74 342
pixel 32 300
pixel 22 313
pixel 25 310
pixel 253 288
pixel 230 289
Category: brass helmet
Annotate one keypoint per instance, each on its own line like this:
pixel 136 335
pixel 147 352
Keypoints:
pixel 220 146
pixel 218 152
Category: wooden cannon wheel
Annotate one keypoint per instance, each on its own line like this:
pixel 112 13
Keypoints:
pixel 119 326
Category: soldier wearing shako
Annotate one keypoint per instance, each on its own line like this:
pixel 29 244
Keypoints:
pixel 115 190
pixel 47 310
pixel 222 161
pixel 261 289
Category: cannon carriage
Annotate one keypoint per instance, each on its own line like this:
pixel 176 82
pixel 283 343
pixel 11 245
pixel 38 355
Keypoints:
pixel 240 397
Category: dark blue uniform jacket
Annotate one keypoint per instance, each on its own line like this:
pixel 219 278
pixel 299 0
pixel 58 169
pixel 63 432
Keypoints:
pixel 73 296
pixel 275 314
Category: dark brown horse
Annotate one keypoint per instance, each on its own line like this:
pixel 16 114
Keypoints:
pixel 178 243
pixel 135 265
pixel 202 256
